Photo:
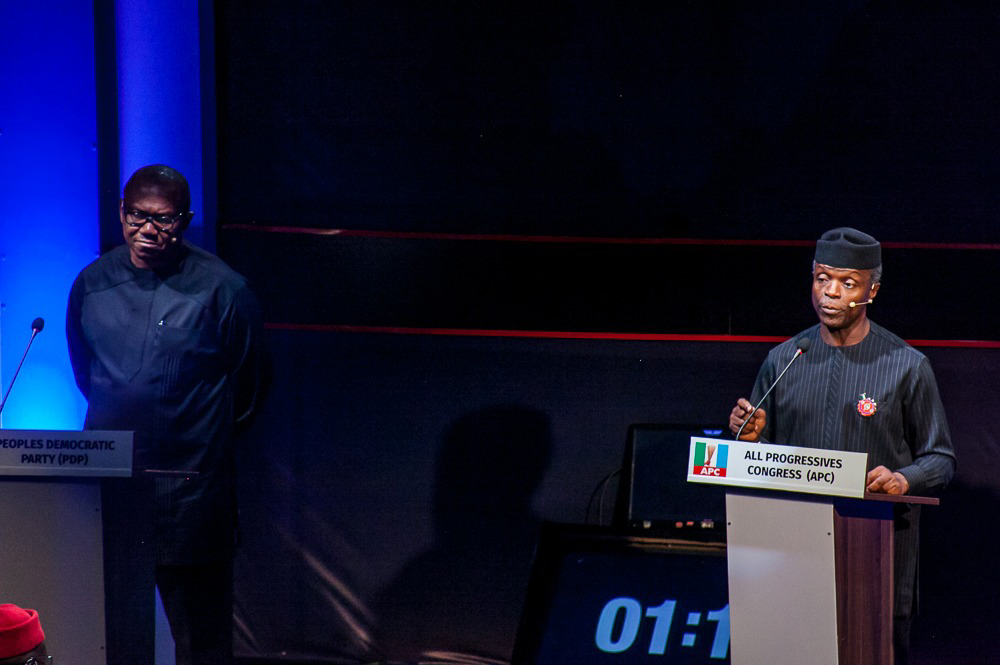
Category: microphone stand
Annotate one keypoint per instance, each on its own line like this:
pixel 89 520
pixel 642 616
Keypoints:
pixel 803 346
pixel 35 329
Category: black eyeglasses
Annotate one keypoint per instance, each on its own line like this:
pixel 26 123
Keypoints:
pixel 164 223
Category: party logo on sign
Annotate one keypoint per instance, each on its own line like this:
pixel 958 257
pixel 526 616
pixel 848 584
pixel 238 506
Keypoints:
pixel 710 459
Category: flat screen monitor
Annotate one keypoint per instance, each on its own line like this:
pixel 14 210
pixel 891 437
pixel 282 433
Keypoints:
pixel 653 492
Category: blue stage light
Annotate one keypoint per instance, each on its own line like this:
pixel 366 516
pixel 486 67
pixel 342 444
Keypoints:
pixel 48 199
pixel 48 167
pixel 160 96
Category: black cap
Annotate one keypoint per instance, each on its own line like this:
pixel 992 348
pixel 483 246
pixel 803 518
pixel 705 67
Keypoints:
pixel 848 248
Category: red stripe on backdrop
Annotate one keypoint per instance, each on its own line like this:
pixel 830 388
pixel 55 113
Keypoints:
pixel 558 334
pixel 421 235
pixel 537 334
pixel 493 237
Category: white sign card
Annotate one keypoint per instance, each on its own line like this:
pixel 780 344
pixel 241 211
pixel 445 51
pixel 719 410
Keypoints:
pixel 771 466
pixel 65 453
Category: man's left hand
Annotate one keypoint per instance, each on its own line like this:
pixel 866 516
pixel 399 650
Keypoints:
pixel 881 479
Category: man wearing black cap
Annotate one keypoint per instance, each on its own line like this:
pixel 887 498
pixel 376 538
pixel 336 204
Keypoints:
pixel 860 388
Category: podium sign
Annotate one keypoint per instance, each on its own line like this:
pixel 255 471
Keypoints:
pixel 94 453
pixel 770 466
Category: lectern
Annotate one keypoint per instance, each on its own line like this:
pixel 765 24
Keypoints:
pixel 810 554
pixel 51 540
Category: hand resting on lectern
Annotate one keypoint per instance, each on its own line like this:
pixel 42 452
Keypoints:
pixel 884 481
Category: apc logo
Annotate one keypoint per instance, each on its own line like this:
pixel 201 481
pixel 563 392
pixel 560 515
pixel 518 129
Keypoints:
pixel 710 459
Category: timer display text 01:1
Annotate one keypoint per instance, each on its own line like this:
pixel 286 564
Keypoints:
pixel 627 613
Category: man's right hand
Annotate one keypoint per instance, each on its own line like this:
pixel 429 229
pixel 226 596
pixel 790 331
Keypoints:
pixel 756 420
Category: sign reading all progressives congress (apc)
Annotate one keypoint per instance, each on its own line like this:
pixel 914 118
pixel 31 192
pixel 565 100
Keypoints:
pixel 65 453
pixel 771 466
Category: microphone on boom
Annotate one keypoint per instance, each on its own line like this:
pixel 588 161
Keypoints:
pixel 802 345
pixel 36 327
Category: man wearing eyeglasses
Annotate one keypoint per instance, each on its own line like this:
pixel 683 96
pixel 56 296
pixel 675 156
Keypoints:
pixel 165 341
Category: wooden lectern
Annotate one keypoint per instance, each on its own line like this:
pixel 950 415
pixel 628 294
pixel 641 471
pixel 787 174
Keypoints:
pixel 811 577
pixel 810 553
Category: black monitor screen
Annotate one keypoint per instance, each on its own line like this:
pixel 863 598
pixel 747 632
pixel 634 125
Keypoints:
pixel 597 596
pixel 654 493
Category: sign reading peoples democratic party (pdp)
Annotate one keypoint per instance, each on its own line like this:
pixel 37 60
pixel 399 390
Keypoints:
pixel 771 466
pixel 65 453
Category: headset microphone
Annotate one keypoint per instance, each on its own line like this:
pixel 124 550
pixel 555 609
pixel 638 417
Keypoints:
pixel 859 304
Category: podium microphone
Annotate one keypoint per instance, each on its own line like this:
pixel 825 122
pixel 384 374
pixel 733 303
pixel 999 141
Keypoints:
pixel 36 327
pixel 802 345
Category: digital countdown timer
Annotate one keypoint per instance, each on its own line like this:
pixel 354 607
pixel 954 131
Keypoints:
pixel 621 619
pixel 599 596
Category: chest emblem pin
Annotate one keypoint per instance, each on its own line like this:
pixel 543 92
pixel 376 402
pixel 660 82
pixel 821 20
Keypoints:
pixel 866 406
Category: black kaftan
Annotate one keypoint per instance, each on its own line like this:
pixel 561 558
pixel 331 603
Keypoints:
pixel 176 356
pixel 877 397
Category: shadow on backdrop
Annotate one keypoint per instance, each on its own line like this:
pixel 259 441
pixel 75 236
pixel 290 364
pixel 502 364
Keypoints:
pixel 462 598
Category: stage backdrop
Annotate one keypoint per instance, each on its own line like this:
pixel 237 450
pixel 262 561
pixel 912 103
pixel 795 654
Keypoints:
pixel 392 488
pixel 392 174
